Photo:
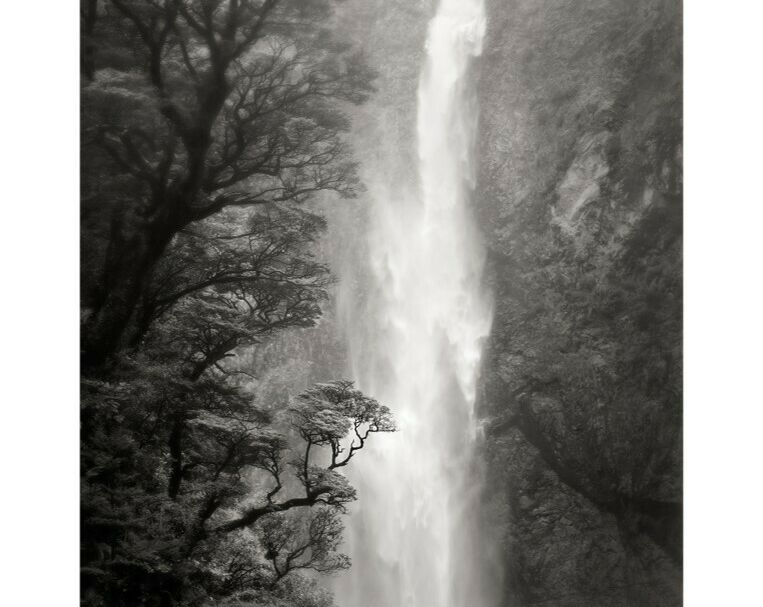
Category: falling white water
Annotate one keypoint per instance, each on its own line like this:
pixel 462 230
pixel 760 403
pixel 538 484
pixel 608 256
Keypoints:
pixel 413 536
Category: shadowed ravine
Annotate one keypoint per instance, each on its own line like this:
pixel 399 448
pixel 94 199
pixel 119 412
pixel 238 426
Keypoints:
pixel 413 538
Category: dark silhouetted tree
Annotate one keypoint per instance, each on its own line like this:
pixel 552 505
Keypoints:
pixel 194 106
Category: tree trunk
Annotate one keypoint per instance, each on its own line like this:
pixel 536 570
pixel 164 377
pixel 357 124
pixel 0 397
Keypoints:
pixel 136 245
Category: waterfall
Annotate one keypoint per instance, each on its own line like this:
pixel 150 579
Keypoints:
pixel 413 537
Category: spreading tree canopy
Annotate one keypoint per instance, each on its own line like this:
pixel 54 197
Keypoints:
pixel 191 107
pixel 228 508
pixel 206 127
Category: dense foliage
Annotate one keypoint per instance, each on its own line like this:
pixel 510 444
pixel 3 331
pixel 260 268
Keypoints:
pixel 205 124
pixel 191 494
pixel 580 197
pixel 190 108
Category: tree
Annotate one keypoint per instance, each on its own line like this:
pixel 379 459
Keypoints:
pixel 194 106
pixel 206 125
pixel 230 283
pixel 206 537
pixel 295 544
pixel 323 417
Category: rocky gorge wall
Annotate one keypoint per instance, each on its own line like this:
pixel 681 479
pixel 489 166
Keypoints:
pixel 579 197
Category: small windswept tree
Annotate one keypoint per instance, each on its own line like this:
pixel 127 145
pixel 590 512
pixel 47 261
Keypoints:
pixel 192 528
pixel 336 416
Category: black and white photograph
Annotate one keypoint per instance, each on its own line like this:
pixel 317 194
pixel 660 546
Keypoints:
pixel 380 303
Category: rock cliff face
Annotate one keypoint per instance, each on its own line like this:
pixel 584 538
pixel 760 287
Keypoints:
pixel 580 200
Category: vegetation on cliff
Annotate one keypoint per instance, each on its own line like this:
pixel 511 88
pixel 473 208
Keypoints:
pixel 580 195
